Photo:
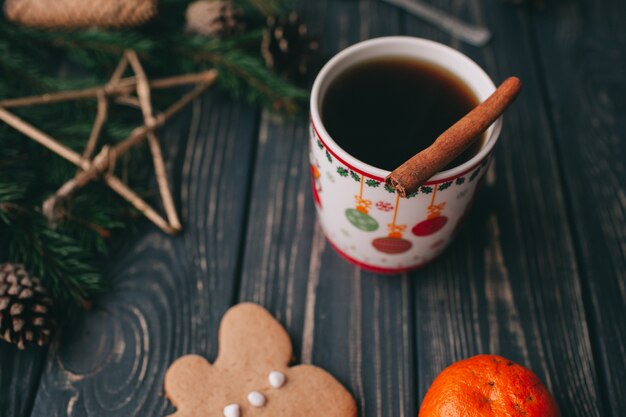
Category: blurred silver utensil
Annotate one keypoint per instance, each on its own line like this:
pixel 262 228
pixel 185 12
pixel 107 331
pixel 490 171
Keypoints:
pixel 472 34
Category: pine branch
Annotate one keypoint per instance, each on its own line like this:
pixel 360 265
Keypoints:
pixel 67 256
pixel 61 261
pixel 239 70
pixel 57 258
pixel 14 62
pixel 242 73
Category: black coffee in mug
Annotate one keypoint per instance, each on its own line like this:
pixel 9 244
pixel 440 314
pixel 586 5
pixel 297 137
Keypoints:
pixel 385 110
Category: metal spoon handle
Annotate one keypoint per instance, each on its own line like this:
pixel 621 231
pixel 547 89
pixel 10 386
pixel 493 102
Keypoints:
pixel 474 35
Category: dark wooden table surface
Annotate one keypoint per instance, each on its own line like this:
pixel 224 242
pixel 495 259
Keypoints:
pixel 537 274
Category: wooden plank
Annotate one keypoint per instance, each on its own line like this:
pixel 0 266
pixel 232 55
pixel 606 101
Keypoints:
pixel 19 378
pixel 167 294
pixel 509 284
pixel 354 324
pixel 582 48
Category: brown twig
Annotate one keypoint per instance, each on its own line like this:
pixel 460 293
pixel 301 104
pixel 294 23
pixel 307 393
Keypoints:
pixel 107 156
pixel 119 71
pixel 129 195
pixel 101 117
pixel 104 162
pixel 104 233
pixel 143 93
pixel 408 177
pixel 143 87
pixel 128 101
pixel 124 86
pixel 42 138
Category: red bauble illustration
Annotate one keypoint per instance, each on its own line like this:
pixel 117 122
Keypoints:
pixel 429 226
pixel 391 245
pixel 315 174
pixel 316 194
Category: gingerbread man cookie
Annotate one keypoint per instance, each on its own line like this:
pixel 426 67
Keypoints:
pixel 252 377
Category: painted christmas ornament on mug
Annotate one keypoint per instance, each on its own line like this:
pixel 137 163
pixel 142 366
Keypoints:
pixel 359 216
pixel 393 242
pixel 434 222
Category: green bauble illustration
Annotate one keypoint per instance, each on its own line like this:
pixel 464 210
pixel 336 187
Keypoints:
pixel 361 220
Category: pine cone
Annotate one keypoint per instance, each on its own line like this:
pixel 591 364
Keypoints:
pixel 286 47
pixel 24 308
pixel 214 18
pixel 76 14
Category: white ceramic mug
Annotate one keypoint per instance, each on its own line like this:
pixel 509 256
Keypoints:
pixel 366 221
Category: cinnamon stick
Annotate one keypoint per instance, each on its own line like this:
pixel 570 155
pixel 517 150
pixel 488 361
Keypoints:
pixel 409 176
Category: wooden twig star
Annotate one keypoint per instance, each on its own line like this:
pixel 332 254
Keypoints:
pixel 102 165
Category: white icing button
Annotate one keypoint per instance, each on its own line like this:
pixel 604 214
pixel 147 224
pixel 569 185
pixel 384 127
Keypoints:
pixel 231 410
pixel 277 379
pixel 256 399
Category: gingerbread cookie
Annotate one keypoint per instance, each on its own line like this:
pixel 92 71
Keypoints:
pixel 252 377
